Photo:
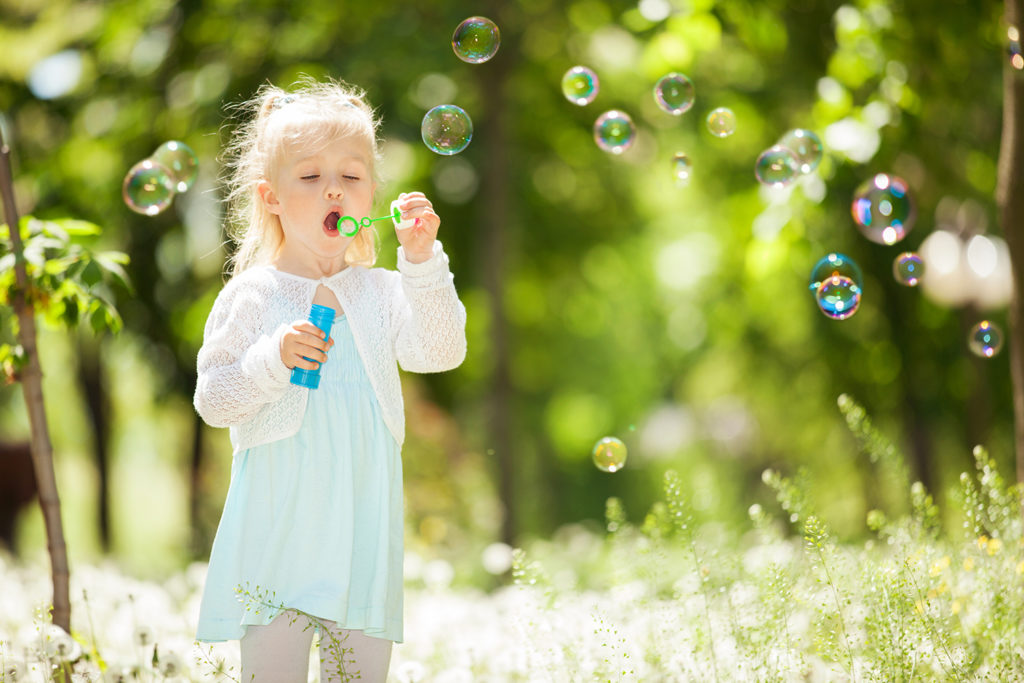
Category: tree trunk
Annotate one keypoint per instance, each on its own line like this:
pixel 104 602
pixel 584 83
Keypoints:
pixel 493 222
pixel 1010 200
pixel 97 402
pixel 31 377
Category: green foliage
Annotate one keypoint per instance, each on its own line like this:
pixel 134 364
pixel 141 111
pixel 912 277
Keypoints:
pixel 69 282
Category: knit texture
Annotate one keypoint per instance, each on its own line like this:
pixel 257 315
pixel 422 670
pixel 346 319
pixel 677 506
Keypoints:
pixel 411 318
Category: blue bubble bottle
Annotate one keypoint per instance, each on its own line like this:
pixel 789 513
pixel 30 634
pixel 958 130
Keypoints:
pixel 323 318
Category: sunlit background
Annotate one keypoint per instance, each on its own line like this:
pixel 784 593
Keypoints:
pixel 628 295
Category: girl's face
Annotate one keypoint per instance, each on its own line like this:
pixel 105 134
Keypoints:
pixel 310 190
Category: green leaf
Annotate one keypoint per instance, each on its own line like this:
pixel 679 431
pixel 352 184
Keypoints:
pixel 77 228
pixel 91 274
pixel 111 261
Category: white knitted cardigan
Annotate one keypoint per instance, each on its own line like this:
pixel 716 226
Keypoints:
pixel 411 318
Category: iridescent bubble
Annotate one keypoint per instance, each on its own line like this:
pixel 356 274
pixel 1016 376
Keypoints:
pixel 446 129
pixel 181 161
pixel 806 146
pixel 1013 47
pixel 838 297
pixel 681 168
pixel 908 269
pixel 674 93
pixel 985 339
pixel 476 40
pixel 614 131
pixel 580 85
pixel 722 122
pixel 835 264
pixel 777 166
pixel 609 454
pixel 148 188
pixel 883 209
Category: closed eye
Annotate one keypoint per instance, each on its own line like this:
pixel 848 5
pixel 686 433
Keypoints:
pixel 351 177
pixel 311 177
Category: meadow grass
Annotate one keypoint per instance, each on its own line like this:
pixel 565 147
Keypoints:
pixel 661 598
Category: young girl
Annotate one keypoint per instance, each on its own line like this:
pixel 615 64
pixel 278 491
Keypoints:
pixel 313 516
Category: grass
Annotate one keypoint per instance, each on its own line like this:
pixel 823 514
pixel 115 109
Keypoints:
pixel 654 599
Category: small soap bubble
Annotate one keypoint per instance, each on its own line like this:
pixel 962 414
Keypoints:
pixel 681 168
pixel 614 131
pixel 835 264
pixel 148 188
pixel 908 269
pixel 838 297
pixel 1013 48
pixel 721 122
pixel 776 166
pixel 883 210
pixel 446 129
pixel 985 339
pixel 580 85
pixel 609 454
pixel 806 147
pixel 674 93
pixel 476 40
pixel 181 161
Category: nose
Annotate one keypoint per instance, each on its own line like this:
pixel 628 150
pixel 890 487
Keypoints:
pixel 333 190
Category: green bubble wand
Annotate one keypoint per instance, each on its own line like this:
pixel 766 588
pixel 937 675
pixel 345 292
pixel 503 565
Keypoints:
pixel 366 221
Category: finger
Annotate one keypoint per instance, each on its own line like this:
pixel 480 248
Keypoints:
pixel 309 328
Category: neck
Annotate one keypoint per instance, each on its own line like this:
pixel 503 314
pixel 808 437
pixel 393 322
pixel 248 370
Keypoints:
pixel 315 269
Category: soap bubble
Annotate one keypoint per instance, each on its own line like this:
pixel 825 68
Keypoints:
pixel 722 122
pixel 148 188
pixel 446 129
pixel 609 454
pixel 838 297
pixel 476 40
pixel 806 147
pixel 674 93
pixel 835 264
pixel 985 339
pixel 883 209
pixel 681 168
pixel 776 166
pixel 614 131
pixel 181 161
pixel 580 85
pixel 908 269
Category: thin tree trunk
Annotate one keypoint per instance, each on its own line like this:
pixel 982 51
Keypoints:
pixel 493 245
pixel 1010 200
pixel 97 401
pixel 32 388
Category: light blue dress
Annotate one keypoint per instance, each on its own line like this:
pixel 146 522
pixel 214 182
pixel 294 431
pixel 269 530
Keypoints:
pixel 314 521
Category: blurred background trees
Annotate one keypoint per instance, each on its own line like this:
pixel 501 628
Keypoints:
pixel 604 298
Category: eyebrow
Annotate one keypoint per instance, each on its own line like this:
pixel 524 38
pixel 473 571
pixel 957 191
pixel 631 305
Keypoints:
pixel 313 158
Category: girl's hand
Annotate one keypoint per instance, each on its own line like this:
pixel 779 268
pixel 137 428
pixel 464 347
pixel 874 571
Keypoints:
pixel 418 240
pixel 304 340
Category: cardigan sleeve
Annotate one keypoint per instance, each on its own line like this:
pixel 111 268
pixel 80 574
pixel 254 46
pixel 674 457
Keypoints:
pixel 429 319
pixel 239 365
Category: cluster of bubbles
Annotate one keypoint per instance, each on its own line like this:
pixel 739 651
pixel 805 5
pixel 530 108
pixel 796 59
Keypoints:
pixel 149 186
pixel 797 153
pixel 884 212
pixel 614 130
pixel 447 129
pixel 609 454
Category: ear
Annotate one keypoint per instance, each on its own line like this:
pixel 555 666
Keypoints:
pixel 268 197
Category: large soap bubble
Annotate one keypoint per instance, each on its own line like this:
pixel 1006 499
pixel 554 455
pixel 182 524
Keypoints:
pixel 614 131
pixel 181 161
pixel 883 209
pixel 446 129
pixel 476 40
pixel 148 188
pixel 806 147
pixel 776 166
pixel 580 85
pixel 674 93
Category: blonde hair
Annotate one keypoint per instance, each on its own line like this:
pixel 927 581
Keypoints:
pixel 311 113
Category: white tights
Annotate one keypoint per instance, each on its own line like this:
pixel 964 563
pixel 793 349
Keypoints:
pixel 279 653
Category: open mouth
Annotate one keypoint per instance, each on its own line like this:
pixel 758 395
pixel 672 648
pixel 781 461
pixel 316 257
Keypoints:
pixel 331 222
